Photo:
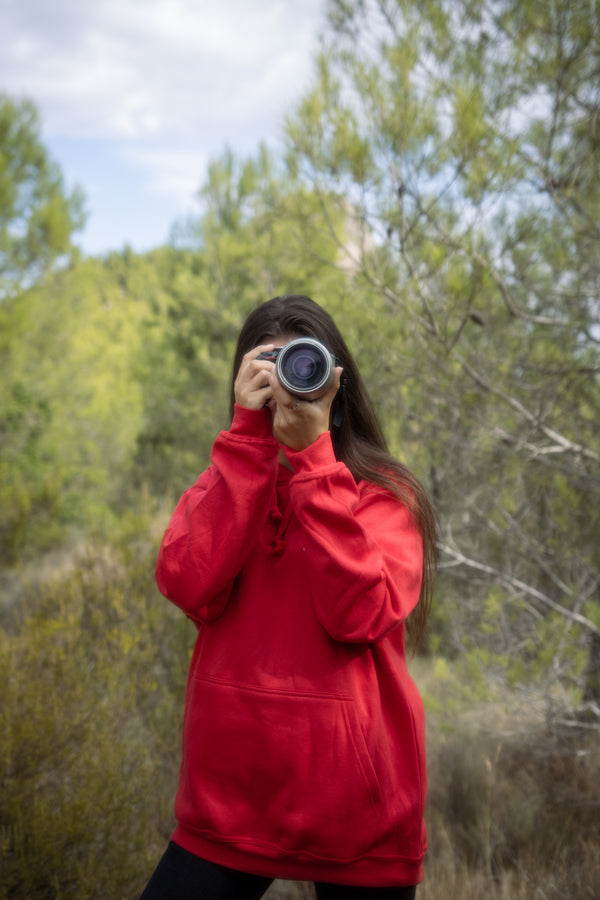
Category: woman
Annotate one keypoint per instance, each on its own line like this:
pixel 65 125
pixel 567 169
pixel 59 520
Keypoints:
pixel 299 554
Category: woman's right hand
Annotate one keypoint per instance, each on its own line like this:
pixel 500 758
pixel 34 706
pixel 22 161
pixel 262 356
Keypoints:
pixel 251 387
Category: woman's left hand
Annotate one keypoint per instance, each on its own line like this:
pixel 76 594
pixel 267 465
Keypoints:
pixel 298 423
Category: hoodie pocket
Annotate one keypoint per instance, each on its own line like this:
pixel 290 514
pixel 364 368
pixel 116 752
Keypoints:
pixel 274 767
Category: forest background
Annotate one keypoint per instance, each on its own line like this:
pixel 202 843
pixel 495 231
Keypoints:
pixel 439 194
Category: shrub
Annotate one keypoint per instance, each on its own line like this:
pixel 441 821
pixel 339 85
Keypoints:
pixel 93 672
pixel 513 815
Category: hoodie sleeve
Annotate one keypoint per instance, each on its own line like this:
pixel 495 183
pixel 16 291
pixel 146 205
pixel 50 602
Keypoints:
pixel 365 550
pixel 217 520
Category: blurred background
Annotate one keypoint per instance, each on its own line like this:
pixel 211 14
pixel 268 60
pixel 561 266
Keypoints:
pixel 428 172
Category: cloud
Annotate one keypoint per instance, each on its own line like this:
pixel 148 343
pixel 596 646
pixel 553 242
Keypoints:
pixel 145 92
pixel 169 171
pixel 139 68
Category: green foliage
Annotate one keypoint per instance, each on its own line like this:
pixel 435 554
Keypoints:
pixel 477 126
pixel 71 405
pixel 31 496
pixel 37 216
pixel 115 373
pixel 93 668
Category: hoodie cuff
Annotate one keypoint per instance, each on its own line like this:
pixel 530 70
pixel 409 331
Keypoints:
pixel 314 459
pixel 251 422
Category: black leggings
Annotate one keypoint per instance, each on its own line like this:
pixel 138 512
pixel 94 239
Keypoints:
pixel 181 875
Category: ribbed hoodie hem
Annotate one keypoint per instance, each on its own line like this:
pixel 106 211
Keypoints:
pixel 271 862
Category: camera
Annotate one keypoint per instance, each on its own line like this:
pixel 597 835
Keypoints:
pixel 304 367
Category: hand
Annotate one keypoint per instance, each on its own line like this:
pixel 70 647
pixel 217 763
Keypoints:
pixel 298 423
pixel 252 387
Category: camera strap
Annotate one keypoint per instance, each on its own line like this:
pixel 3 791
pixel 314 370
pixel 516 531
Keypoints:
pixel 340 404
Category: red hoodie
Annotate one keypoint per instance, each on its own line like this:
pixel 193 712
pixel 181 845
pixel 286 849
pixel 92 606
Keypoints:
pixel 303 736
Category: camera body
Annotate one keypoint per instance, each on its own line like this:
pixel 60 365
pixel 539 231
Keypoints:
pixel 304 367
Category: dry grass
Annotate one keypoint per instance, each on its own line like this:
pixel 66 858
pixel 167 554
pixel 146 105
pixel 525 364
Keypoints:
pixel 290 890
pixel 513 806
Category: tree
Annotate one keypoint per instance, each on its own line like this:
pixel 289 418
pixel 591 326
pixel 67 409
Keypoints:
pixel 71 401
pixel 254 238
pixel 37 216
pixel 465 136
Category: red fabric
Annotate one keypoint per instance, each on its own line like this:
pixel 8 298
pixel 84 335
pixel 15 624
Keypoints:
pixel 303 737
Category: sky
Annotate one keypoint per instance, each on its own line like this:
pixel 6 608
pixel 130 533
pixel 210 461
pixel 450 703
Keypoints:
pixel 136 96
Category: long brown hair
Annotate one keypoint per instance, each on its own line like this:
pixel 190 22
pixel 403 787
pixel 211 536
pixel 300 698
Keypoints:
pixel 358 441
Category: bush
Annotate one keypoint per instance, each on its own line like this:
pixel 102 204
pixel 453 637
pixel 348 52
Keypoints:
pixel 93 671
pixel 513 815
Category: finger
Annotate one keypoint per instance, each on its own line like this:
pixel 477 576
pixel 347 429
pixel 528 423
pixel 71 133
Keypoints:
pixel 333 388
pixel 252 387
pixel 326 399
pixel 251 357
pixel 283 397
pixel 254 371
pixel 262 348
pixel 257 381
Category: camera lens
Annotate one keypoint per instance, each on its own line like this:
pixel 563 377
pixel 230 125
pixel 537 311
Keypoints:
pixel 305 367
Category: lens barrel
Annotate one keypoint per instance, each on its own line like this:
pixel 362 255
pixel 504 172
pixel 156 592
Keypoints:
pixel 305 367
